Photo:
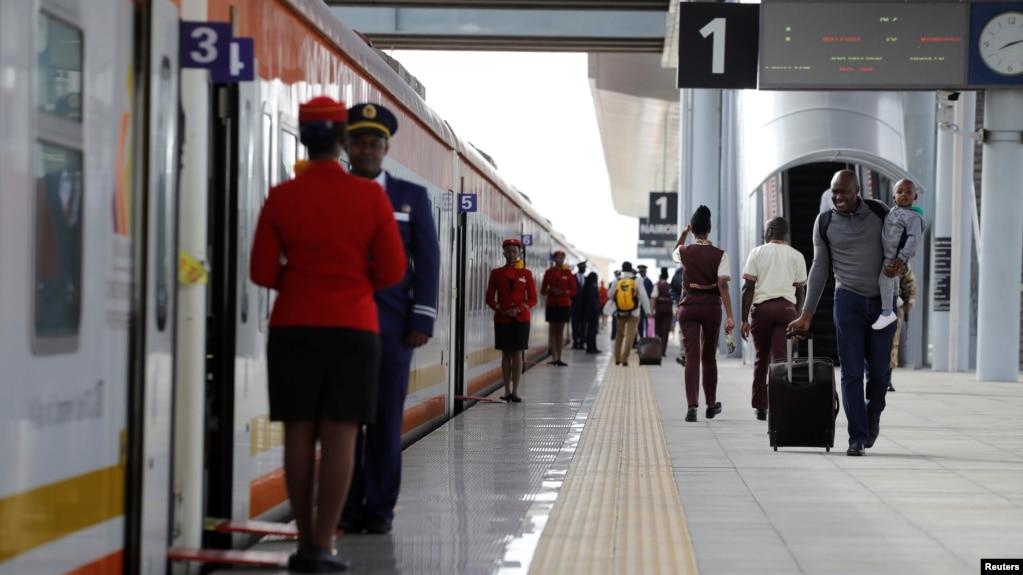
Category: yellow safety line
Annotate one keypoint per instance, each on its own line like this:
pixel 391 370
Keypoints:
pixel 618 510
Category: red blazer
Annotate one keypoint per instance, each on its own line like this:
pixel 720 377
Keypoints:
pixel 562 279
pixel 325 241
pixel 511 288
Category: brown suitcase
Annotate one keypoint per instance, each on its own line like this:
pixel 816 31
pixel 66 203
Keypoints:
pixel 650 351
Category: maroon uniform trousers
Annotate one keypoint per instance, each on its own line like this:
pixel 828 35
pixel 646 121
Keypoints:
pixel 701 323
pixel 770 320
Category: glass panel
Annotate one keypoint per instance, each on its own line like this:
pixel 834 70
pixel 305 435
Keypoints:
pixel 59 59
pixel 58 241
pixel 245 167
pixel 289 154
pixel 165 260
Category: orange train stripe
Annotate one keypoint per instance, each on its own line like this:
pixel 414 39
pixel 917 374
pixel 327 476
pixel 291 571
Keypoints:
pixel 112 564
pixel 266 492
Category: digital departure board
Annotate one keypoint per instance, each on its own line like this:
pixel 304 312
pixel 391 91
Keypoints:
pixel 868 46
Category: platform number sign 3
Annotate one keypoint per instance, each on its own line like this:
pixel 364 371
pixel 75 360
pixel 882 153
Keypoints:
pixel 718 45
pixel 211 45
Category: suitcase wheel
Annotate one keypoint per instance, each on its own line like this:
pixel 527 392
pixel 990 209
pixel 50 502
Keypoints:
pixel 776 449
pixel 827 449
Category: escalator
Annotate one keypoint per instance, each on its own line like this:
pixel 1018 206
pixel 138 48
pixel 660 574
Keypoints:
pixel 804 186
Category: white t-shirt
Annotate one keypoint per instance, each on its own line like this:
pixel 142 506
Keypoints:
pixel 777 269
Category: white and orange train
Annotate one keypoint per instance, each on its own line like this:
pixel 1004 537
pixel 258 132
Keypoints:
pixel 134 399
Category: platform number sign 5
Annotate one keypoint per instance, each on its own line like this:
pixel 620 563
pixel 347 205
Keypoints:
pixel 211 45
pixel 467 203
pixel 718 45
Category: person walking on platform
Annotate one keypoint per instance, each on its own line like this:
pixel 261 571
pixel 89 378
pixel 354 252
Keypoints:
pixel 578 317
pixel 602 293
pixel 614 319
pixel 907 297
pixel 559 286
pixel 406 312
pixel 626 298
pixel 676 296
pixel 511 292
pixel 648 287
pixel 847 240
pixel 592 309
pixel 773 289
pixel 338 241
pixel 664 310
pixel 705 273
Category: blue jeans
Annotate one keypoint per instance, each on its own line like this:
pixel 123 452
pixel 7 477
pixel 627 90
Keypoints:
pixel 862 350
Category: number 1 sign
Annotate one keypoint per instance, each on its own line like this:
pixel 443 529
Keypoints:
pixel 718 45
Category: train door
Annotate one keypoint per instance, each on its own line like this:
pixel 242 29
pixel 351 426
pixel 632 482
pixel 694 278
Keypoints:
pixel 458 353
pixel 147 516
pixel 222 307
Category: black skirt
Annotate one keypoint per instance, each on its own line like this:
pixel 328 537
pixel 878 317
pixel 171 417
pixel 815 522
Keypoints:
pixel 558 314
pixel 319 372
pixel 511 336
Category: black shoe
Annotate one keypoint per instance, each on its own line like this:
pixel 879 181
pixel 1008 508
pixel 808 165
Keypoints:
pixel 378 526
pixel 873 430
pixel 762 414
pixel 855 449
pixel 351 525
pixel 691 414
pixel 314 559
pixel 681 360
pixel 713 410
pixel 515 398
pixel 891 387
pixel 560 363
pixel 593 351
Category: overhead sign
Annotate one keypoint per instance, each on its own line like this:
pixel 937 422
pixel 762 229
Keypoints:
pixel 862 45
pixel 663 208
pixel 653 252
pixel 649 232
pixel 212 45
pixel 717 45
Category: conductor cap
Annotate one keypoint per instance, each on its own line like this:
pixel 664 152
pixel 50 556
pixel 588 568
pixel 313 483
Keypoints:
pixel 372 118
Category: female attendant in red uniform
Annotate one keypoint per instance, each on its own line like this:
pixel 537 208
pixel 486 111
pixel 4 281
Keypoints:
pixel 338 238
pixel 559 286
pixel 511 291
pixel 705 275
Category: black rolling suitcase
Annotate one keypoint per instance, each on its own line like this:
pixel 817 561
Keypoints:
pixel 802 400
pixel 650 351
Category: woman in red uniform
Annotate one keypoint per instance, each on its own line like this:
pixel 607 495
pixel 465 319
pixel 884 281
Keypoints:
pixel 705 275
pixel 559 286
pixel 511 291
pixel 338 241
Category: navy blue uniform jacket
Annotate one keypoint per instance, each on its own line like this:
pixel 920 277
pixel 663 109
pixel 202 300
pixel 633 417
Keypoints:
pixel 411 305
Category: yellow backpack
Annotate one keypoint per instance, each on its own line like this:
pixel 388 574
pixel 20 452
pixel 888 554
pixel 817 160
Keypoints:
pixel 625 295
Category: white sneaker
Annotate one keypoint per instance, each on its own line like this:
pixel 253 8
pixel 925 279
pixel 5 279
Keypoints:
pixel 885 320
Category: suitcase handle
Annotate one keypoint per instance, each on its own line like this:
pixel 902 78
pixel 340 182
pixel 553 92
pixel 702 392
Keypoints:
pixel 809 343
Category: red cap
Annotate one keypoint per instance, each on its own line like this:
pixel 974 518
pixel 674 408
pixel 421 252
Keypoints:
pixel 511 242
pixel 322 109
pixel 558 253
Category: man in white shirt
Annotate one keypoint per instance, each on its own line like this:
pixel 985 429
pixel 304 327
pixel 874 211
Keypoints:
pixel 775 284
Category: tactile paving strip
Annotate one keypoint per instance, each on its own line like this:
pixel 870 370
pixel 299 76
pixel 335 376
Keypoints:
pixel 618 510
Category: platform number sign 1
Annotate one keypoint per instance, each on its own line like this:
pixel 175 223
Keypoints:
pixel 212 45
pixel 467 203
pixel 718 45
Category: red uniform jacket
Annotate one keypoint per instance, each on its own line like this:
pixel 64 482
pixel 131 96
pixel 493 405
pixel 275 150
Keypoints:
pixel 325 241
pixel 562 279
pixel 511 288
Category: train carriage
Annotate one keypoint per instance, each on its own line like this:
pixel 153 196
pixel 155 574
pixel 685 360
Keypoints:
pixel 135 404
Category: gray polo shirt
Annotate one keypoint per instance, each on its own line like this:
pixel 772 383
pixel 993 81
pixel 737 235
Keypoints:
pixel 857 252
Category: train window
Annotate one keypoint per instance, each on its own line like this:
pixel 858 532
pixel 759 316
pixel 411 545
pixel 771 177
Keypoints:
pixel 59 61
pixel 165 257
pixel 58 248
pixel 289 154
